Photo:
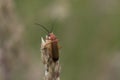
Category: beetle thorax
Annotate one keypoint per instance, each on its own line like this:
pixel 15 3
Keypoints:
pixel 52 36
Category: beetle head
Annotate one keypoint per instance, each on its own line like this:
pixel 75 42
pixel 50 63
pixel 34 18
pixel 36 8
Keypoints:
pixel 51 36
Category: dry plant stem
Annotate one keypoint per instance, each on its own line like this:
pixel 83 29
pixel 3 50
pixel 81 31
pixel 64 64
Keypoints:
pixel 52 69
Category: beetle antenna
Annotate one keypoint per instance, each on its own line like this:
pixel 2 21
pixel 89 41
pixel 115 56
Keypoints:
pixel 43 27
pixel 53 25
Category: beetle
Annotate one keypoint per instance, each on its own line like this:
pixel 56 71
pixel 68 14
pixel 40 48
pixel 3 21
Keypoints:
pixel 53 43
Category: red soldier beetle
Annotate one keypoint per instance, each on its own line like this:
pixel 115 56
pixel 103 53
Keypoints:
pixel 54 48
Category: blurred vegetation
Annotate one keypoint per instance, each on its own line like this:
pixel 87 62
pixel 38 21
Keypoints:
pixel 88 30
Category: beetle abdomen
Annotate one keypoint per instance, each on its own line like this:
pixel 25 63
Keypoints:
pixel 55 51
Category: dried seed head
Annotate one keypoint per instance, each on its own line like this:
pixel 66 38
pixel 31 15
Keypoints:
pixel 42 43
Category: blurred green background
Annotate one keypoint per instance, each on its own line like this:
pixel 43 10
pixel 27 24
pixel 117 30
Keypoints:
pixel 88 32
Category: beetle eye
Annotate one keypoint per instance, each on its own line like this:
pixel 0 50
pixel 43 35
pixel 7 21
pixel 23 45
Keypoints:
pixel 48 34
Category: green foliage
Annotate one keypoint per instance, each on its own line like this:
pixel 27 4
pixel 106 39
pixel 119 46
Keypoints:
pixel 90 31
